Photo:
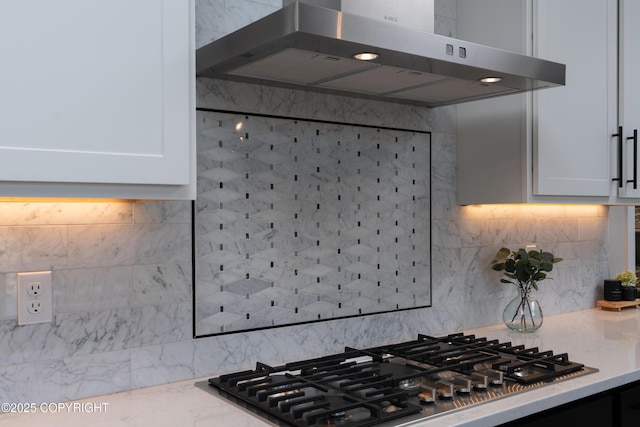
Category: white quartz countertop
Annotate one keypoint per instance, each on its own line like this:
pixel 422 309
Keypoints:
pixel 608 341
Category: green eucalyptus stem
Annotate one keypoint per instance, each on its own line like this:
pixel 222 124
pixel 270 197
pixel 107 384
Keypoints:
pixel 533 321
pixel 517 311
pixel 524 304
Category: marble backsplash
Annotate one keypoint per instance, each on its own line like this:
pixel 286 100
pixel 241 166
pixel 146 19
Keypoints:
pixel 303 221
pixel 122 271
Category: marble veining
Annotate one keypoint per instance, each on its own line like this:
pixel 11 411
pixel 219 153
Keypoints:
pixel 215 18
pixel 110 245
pixel 33 248
pixel 346 208
pixel 162 283
pixel 235 96
pixel 62 379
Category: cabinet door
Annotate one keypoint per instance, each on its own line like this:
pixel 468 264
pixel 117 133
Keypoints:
pixel 96 91
pixel 555 145
pixel 573 124
pixel 629 95
pixel 629 411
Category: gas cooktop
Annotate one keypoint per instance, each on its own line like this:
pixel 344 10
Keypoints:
pixel 398 382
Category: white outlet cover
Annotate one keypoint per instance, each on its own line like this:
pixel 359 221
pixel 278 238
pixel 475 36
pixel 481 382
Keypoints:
pixel 25 281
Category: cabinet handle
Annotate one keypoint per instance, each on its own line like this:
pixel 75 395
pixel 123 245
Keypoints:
pixel 635 159
pixel 619 136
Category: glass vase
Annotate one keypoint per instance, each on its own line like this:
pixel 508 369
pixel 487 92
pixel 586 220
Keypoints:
pixel 523 313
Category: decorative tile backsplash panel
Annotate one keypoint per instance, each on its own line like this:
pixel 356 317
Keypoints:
pixel 300 221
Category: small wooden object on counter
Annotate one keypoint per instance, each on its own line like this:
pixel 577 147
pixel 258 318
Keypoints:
pixel 617 305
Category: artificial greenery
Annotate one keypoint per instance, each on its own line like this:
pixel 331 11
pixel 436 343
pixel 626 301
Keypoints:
pixel 627 277
pixel 524 269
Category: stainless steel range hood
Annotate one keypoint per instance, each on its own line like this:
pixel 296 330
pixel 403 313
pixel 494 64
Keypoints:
pixel 307 46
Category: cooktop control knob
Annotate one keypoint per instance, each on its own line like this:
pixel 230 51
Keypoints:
pixel 445 390
pixel 427 395
pixel 462 385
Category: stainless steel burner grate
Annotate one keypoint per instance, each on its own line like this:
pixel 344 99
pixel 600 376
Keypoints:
pixel 411 380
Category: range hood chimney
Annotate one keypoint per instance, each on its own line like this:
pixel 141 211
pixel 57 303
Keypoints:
pixel 314 46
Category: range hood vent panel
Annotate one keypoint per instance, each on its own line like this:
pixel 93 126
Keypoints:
pixel 382 80
pixel 306 46
pixel 299 66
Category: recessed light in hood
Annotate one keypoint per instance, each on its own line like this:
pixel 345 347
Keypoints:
pixel 490 79
pixel 366 56
pixel 312 47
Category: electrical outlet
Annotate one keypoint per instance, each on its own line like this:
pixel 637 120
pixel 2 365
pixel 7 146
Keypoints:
pixel 35 306
pixel 34 288
pixel 35 296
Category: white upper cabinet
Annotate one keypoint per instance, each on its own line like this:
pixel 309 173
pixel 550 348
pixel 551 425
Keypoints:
pixel 553 145
pixel 572 128
pixel 98 99
pixel 629 96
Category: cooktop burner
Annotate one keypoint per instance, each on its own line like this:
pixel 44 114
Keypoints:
pixel 409 380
